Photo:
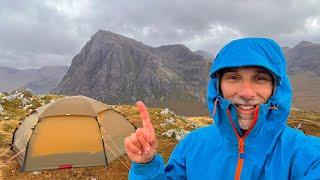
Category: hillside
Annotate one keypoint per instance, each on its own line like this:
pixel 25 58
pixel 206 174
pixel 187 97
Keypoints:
pixel 162 119
pixel 304 70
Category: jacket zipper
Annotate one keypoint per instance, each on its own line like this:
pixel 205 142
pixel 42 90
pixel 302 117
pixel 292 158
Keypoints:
pixel 241 142
pixel 240 158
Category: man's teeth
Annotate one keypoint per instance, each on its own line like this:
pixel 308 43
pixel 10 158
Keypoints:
pixel 245 107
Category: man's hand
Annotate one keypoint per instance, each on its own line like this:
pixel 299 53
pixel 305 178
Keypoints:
pixel 141 146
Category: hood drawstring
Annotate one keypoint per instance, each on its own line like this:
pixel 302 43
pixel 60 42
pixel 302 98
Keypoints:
pixel 215 107
pixel 273 107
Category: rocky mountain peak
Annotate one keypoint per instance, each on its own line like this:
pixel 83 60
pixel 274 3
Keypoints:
pixel 178 53
pixel 115 69
pixel 107 37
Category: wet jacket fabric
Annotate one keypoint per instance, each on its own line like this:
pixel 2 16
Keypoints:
pixel 268 150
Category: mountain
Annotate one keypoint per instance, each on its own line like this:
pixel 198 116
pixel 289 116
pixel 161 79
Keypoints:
pixel 305 56
pixel 116 69
pixel 304 70
pixel 205 54
pixel 37 80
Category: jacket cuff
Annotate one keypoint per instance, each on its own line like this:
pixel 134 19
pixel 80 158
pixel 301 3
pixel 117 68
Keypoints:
pixel 148 168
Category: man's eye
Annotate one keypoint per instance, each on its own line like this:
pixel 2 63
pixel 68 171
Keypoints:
pixel 232 77
pixel 262 78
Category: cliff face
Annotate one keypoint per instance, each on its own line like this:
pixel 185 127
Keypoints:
pixel 116 69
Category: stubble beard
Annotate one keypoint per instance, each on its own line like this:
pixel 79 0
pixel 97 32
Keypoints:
pixel 245 119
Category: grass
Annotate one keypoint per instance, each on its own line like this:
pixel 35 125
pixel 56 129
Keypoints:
pixel 9 126
pixel 116 170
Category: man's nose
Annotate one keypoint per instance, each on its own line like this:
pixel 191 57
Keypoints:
pixel 246 90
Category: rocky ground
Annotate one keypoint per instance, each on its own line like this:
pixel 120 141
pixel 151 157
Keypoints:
pixel 170 128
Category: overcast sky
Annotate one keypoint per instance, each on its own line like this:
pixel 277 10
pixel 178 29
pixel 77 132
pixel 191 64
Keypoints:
pixel 37 33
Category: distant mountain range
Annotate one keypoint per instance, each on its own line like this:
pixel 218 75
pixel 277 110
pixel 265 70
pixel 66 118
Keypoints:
pixel 304 69
pixel 305 56
pixel 119 70
pixel 39 81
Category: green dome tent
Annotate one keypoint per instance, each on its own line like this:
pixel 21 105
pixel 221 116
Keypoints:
pixel 75 131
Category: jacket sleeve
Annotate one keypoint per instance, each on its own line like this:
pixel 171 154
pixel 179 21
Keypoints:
pixel 314 171
pixel 307 161
pixel 175 169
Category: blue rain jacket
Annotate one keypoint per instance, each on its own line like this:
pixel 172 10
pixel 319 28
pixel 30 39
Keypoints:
pixel 270 150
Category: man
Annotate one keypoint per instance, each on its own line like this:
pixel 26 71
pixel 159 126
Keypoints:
pixel 249 98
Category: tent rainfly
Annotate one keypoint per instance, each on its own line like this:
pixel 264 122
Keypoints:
pixel 75 131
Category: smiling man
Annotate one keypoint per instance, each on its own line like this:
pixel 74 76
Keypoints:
pixel 249 98
pixel 246 88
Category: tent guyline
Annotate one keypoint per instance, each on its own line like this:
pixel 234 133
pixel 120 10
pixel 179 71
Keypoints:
pixel 118 149
pixel 11 158
pixel 69 133
pixel 116 156
pixel 15 155
pixel 10 147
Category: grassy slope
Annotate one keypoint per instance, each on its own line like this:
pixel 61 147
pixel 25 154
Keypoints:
pixel 116 170
pixel 306 88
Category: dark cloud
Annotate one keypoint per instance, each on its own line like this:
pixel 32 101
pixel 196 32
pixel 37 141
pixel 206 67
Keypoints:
pixel 36 33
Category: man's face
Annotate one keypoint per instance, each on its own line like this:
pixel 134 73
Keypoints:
pixel 246 87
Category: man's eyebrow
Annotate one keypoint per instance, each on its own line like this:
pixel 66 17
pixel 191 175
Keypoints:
pixel 229 70
pixel 263 71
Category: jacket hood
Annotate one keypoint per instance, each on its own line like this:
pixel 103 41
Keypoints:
pixel 260 52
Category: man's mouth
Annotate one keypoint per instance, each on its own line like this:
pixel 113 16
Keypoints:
pixel 245 108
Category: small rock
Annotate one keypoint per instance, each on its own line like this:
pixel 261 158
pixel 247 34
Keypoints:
pixel 299 125
pixel 170 121
pixel 163 124
pixel 27 106
pixel 6 118
pixel 295 109
pixel 1 109
pixel 36 173
pixel 166 111
pixel 10 98
pixel 177 134
pixel 25 101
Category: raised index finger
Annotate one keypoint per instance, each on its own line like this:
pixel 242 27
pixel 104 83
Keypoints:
pixel 146 122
